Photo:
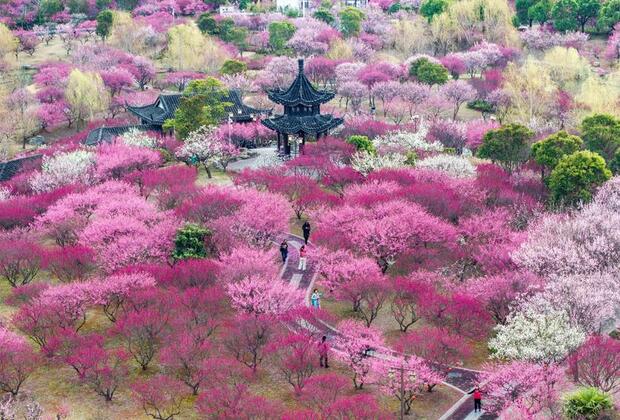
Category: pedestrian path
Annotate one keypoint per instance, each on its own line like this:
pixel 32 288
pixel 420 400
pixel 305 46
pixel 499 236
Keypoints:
pixel 458 378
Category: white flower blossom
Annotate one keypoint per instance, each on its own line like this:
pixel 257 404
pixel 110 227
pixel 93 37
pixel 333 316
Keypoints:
pixel 536 333
pixel 138 138
pixel 64 169
pixel 365 162
pixel 455 166
pixel 407 141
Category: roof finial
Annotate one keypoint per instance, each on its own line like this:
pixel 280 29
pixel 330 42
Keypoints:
pixel 300 61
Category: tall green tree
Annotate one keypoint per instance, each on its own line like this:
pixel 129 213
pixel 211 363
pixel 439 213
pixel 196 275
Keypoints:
pixel 586 11
pixel 576 177
pixel 429 73
pixel 508 145
pixel 431 8
pixel 207 24
pixel 609 15
pixel 202 104
pixel 351 21
pixel 564 14
pixel 540 12
pixel 324 15
pixel 523 7
pixel 105 19
pixel 548 152
pixel 279 34
pixel 601 133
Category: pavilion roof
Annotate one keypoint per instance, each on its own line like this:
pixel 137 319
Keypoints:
pixel 310 124
pixel 300 92
pixel 164 107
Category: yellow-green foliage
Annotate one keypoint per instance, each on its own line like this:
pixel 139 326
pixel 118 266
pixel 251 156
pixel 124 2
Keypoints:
pixel 190 50
pixel 566 67
pixel 86 94
pixel 462 22
pixel 531 90
pixel 600 94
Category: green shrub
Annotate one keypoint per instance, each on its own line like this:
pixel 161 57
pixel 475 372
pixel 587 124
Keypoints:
pixel 362 143
pixel 190 242
pixel 587 404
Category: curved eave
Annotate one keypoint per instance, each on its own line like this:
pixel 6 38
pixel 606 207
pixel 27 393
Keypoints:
pixel 278 98
pixel 295 125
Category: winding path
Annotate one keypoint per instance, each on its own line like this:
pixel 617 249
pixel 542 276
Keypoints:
pixel 458 378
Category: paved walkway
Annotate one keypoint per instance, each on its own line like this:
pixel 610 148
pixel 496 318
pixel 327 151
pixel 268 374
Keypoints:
pixel 460 379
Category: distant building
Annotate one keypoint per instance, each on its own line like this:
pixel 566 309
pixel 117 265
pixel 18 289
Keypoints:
pixel 153 116
pixel 301 6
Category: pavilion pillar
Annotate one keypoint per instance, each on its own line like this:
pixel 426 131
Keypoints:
pixel 287 145
pixel 279 140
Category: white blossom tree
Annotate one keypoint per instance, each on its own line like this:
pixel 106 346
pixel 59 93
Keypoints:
pixel 64 169
pixel 536 334
pixel 206 147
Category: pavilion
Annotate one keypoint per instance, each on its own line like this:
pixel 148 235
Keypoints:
pixel 153 116
pixel 302 112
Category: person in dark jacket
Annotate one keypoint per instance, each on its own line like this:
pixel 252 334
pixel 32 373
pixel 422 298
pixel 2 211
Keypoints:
pixel 284 251
pixel 477 398
pixel 306 229
pixel 323 350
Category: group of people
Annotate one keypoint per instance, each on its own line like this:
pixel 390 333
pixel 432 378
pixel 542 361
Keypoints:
pixel 302 251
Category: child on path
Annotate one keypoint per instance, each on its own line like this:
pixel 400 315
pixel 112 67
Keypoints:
pixel 315 299
pixel 302 258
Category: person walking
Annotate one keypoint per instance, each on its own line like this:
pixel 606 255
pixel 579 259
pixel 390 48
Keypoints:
pixel 323 350
pixel 477 398
pixel 306 229
pixel 302 258
pixel 284 251
pixel 315 299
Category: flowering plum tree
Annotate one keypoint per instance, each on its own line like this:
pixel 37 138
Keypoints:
pixel 258 295
pixel 528 387
pixel 597 363
pixel 17 361
pixel 205 146
pixel 161 396
pixel 404 378
pixel 296 358
pixel 355 347
pixel 101 369
pixel 534 335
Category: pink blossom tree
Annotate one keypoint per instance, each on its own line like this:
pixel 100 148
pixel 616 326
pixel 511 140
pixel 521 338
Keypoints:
pixel 101 369
pixel 258 295
pixel 17 361
pixel 247 337
pixel 161 396
pixel 597 363
pixel 227 396
pixel 296 357
pixel 184 356
pixel 323 390
pixel 355 347
pixel 531 387
pixel 20 260
pixel 408 292
pixel 436 345
pixel 404 378
pixel 457 92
